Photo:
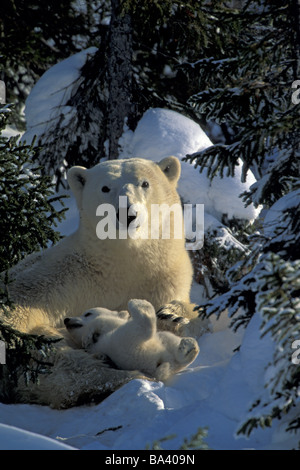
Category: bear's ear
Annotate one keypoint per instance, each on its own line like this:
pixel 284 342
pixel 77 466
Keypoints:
pixel 77 178
pixel 171 168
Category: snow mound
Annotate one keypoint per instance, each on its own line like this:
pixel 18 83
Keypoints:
pixel 12 438
pixel 46 103
pixel 161 133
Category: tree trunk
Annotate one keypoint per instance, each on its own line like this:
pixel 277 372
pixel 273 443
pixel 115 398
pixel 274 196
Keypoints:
pixel 119 71
pixel 296 16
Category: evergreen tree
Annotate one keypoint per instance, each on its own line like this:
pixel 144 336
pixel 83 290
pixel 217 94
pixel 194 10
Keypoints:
pixel 277 298
pixel 249 92
pixel 27 210
pixel 27 217
pixel 248 89
pixel 35 35
pixel 138 65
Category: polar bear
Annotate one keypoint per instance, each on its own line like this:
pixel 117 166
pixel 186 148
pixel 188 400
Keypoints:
pixel 83 271
pixel 88 269
pixel 132 341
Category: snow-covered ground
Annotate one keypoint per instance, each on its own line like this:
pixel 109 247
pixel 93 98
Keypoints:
pixel 215 392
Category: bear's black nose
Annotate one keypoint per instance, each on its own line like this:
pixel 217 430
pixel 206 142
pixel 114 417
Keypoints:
pixel 72 323
pixel 124 218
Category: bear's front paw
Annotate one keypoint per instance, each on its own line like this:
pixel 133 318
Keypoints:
pixel 182 319
pixel 188 350
pixel 170 317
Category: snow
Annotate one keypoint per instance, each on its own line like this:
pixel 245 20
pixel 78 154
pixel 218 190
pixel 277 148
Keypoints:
pixel 46 103
pixel 12 438
pixel 10 131
pixel 217 390
pixel 163 132
pixel 274 214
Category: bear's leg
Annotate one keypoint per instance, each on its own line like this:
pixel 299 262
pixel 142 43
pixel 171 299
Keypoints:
pixel 164 371
pixel 143 315
pixel 182 319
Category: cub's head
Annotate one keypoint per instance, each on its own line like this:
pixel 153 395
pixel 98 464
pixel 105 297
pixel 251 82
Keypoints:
pixel 86 329
pixel 119 194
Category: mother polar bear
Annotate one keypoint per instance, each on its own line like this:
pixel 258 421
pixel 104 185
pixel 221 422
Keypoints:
pixel 83 271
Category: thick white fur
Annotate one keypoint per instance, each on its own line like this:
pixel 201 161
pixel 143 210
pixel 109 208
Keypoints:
pixel 132 342
pixel 82 272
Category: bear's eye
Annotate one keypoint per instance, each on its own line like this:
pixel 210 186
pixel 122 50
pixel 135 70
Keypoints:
pixel 145 184
pixel 88 314
pixel 105 189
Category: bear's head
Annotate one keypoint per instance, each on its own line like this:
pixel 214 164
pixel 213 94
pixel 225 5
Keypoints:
pixel 122 192
pixel 86 329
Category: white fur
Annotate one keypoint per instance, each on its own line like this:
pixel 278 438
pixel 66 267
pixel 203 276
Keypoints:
pixel 132 342
pixel 82 271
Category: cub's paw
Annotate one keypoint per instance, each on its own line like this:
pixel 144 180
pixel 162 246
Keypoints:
pixel 188 350
pixel 124 314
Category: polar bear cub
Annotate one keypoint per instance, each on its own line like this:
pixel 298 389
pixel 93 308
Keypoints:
pixel 131 340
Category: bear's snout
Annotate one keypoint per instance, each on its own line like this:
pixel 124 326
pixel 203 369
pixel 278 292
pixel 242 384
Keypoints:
pixel 71 323
pixel 124 217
